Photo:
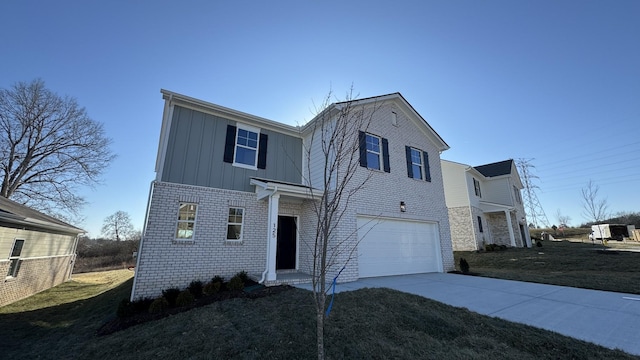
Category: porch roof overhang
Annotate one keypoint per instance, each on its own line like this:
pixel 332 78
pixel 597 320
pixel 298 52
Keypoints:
pixel 266 187
pixel 489 207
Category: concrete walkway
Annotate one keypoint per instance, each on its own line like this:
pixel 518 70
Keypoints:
pixel 605 318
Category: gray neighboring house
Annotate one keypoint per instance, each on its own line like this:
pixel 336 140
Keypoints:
pixel 485 205
pixel 37 251
pixel 229 196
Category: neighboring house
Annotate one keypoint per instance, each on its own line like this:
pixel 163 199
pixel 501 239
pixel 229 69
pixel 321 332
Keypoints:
pixel 37 251
pixel 229 196
pixel 485 205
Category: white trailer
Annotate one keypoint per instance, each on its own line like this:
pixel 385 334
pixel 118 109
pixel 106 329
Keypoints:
pixel 611 231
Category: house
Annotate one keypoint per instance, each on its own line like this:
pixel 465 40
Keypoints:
pixel 485 205
pixel 235 192
pixel 38 251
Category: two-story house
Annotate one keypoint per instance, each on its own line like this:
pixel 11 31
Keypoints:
pixel 485 205
pixel 236 192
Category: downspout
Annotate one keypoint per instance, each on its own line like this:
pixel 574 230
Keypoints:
pixel 266 268
pixel 144 231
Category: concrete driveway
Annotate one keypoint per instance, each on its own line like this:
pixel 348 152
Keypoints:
pixel 605 318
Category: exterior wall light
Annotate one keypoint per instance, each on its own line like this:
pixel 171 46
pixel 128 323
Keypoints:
pixel 403 207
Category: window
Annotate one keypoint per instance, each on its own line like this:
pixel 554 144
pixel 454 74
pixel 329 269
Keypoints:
pixel 374 152
pixel 417 164
pixel 186 221
pixel 516 192
pixel 14 258
pixel 476 186
pixel 234 224
pixel 480 223
pixel 245 146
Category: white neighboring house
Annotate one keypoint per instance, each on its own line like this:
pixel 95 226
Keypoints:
pixel 485 205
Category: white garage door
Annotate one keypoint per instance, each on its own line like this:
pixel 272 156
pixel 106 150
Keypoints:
pixel 396 247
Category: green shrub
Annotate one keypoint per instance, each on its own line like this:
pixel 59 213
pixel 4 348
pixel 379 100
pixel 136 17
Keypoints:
pixel 195 287
pixel 158 305
pixel 243 276
pixel 212 288
pixel 184 298
pixel 235 283
pixel 171 295
pixel 124 309
pixel 464 266
pixel 218 278
pixel 539 243
pixel 128 308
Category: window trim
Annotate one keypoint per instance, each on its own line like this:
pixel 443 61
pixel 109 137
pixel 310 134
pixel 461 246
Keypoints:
pixel 187 221
pixel 517 194
pixel 241 239
pixel 420 166
pixel 14 260
pixel 252 129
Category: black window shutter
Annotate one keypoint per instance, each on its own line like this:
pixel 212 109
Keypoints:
pixel 362 139
pixel 385 155
pixel 427 172
pixel 409 167
pixel 229 144
pixel 262 152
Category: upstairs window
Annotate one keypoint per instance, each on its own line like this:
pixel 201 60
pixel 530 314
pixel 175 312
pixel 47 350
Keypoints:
pixel 246 147
pixel 516 193
pixel 374 152
pixel 476 186
pixel 417 164
pixel 14 258
pixel 186 221
pixel 234 224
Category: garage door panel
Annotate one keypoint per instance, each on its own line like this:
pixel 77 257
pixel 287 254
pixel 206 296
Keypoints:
pixel 395 247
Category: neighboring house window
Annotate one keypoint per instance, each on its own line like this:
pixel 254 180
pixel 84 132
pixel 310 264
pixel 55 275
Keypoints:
pixel 246 147
pixel 374 152
pixel 476 186
pixel 480 223
pixel 417 164
pixel 234 223
pixel 186 221
pixel 14 258
pixel 516 192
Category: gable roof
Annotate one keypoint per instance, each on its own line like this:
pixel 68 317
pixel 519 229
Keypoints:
pixel 403 104
pixel 16 213
pixel 496 169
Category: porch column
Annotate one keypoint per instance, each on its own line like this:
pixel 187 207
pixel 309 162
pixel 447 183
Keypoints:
pixel 512 237
pixel 274 201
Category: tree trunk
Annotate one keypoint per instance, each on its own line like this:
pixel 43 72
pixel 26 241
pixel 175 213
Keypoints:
pixel 320 332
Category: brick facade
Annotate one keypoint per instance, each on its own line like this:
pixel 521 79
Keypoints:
pixel 34 275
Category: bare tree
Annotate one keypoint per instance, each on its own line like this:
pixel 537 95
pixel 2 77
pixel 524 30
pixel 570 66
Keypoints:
pixel 334 138
pixel 563 220
pixel 48 147
pixel 594 208
pixel 117 226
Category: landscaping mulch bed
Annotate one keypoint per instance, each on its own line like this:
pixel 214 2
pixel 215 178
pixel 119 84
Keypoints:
pixel 250 292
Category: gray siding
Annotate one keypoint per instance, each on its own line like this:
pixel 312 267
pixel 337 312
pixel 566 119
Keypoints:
pixel 196 148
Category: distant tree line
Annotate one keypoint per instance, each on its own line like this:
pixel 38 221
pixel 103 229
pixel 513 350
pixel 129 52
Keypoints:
pixel 104 254
pixel 625 218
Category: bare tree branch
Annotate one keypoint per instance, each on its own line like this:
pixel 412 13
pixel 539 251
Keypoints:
pixel 117 226
pixel 48 147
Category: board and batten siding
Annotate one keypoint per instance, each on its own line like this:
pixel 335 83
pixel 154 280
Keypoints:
pixel 498 191
pixel 37 243
pixel 195 154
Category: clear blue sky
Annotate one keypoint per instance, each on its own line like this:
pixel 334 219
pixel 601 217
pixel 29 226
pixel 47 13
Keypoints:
pixel 556 81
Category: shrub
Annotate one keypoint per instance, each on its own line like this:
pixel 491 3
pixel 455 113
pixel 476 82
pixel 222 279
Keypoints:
pixel 195 287
pixel 235 283
pixel 128 308
pixel 243 276
pixel 212 288
pixel 184 298
pixel 158 305
pixel 464 266
pixel 171 295
pixel 218 278
pixel 124 309
pixel 539 243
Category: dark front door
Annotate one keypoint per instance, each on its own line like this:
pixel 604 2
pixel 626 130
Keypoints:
pixel 286 251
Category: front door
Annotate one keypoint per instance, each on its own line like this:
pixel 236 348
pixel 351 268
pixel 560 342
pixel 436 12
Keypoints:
pixel 287 238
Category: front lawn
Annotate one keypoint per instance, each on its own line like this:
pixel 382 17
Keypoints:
pixel 368 323
pixel 576 264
